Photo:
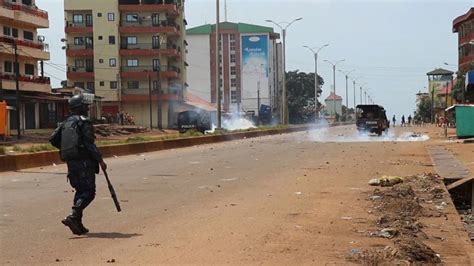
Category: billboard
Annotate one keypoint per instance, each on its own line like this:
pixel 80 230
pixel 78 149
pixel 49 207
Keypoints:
pixel 255 60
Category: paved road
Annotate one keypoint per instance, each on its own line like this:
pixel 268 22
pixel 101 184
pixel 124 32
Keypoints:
pixel 275 199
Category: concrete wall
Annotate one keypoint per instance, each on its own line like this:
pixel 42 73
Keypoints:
pixel 199 69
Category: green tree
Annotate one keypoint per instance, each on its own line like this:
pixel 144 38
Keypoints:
pixel 423 111
pixel 300 89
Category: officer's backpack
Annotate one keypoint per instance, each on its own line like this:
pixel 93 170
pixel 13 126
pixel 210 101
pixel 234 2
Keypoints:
pixel 71 142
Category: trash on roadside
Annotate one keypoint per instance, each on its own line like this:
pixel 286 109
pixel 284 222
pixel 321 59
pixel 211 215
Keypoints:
pixel 298 193
pixel 346 218
pixel 386 181
pixel 386 233
pixel 375 197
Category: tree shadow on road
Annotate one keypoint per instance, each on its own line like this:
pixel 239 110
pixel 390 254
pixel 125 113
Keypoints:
pixel 111 235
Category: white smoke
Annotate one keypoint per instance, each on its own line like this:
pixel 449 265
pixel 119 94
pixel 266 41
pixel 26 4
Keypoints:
pixel 323 133
pixel 235 122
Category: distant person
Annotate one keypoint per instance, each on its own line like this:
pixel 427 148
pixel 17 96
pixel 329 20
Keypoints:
pixel 394 120
pixel 409 120
pixel 403 121
pixel 121 118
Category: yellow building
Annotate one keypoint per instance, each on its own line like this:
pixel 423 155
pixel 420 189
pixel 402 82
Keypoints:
pixel 20 42
pixel 131 53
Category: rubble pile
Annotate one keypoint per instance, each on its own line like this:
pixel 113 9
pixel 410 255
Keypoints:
pixel 399 208
pixel 106 130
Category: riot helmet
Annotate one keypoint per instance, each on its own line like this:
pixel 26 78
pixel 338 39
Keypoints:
pixel 77 104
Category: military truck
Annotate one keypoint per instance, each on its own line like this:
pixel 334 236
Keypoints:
pixel 371 118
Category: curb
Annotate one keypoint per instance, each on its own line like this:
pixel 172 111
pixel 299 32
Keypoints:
pixel 31 160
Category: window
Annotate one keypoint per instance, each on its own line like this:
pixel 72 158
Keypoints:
pixel 101 61
pixel 100 37
pixel 232 58
pixel 90 86
pixel 232 42
pixel 28 35
pixel 113 84
pixel 155 85
pixel 15 32
pixel 233 83
pixel 133 84
pixel 30 69
pixel 233 96
pixel 102 83
pixel 156 64
pixel 7 31
pixel 99 15
pixel 112 62
pixel 111 16
pixel 77 18
pixel 132 62
pixel 131 17
pixel 131 40
pixel 79 63
pixel 78 41
pixel 8 66
pixel 233 70
pixel 111 39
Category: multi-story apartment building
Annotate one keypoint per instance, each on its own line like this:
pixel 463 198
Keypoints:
pixel 250 65
pixel 22 48
pixel 464 26
pixel 130 53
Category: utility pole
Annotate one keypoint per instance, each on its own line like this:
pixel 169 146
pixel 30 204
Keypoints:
pixel 346 74
pixel 149 102
pixel 316 78
pixel 258 102
pixel 17 84
pixel 334 80
pixel 283 94
pixel 354 86
pixel 361 95
pixel 218 87
pixel 158 95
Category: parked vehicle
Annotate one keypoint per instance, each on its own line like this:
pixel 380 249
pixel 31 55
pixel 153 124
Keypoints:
pixel 188 120
pixel 371 118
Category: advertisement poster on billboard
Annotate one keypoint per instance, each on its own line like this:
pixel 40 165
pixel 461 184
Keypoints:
pixel 254 70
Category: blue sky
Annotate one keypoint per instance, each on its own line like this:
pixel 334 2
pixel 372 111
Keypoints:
pixel 390 44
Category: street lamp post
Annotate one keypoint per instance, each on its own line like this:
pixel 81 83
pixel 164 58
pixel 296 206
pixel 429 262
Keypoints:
pixel 218 87
pixel 346 74
pixel 361 100
pixel 284 98
pixel 334 63
pixel 316 78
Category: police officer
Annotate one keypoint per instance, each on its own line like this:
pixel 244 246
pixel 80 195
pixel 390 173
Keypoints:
pixel 79 151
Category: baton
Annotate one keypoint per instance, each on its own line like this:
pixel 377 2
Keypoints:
pixel 112 191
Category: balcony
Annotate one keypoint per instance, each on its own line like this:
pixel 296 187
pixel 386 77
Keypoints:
pixel 149 26
pixel 144 72
pixel 141 95
pixel 26 14
pixel 85 50
pixel 466 39
pixel 469 59
pixel 147 49
pixel 27 82
pixel 26 48
pixel 80 73
pixel 170 9
pixel 72 27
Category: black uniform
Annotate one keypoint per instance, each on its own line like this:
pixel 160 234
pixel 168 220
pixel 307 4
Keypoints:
pixel 75 139
pixel 82 169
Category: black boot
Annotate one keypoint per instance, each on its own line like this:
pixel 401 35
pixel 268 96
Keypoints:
pixel 71 222
pixel 77 213
pixel 82 227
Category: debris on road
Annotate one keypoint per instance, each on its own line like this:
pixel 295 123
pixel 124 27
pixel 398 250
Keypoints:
pixel 106 130
pixel 399 207
pixel 385 181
